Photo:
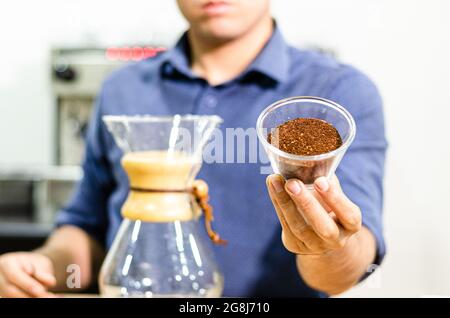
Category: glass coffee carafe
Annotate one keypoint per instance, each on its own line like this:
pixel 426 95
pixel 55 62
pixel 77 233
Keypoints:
pixel 160 249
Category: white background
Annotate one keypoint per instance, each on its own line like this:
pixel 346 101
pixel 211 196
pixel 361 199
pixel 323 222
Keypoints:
pixel 403 45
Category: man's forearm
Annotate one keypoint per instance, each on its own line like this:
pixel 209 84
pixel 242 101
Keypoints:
pixel 337 271
pixel 71 245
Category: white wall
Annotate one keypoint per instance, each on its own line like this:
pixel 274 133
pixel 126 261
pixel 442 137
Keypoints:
pixel 403 45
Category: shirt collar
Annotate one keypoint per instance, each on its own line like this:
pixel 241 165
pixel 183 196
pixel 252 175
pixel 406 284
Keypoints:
pixel 272 62
pixel 178 59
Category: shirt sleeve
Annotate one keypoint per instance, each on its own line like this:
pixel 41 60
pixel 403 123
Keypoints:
pixel 87 208
pixel 361 171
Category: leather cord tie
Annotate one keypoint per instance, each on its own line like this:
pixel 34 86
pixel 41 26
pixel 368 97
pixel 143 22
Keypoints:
pixel 199 190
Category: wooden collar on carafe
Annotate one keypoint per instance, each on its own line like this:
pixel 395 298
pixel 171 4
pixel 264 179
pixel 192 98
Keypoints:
pixel 200 191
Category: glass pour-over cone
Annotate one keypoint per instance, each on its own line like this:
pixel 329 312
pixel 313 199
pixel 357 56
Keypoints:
pixel 160 249
pixel 305 168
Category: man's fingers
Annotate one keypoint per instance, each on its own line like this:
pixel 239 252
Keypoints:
pixel 313 212
pixel 286 207
pixel 43 271
pixel 40 267
pixel 15 275
pixel 290 242
pixel 272 182
pixel 45 278
pixel 346 211
pixel 8 290
pixel 12 291
pixel 313 221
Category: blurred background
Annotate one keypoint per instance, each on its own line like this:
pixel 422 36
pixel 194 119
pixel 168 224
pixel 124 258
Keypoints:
pixel 53 57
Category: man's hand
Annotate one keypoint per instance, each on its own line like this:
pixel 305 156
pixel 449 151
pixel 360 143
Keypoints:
pixel 323 228
pixel 26 275
pixel 313 222
pixel 32 274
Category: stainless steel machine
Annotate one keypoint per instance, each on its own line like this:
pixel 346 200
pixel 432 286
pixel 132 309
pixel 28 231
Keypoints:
pixel 77 75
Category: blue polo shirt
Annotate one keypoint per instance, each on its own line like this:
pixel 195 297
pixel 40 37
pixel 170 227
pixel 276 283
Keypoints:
pixel 254 262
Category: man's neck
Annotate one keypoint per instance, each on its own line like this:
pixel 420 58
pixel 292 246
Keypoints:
pixel 220 62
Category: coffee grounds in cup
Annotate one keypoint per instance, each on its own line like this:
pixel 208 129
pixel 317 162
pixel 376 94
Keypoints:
pixel 305 137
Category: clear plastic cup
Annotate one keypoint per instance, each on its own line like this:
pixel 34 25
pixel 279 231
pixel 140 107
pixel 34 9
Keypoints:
pixel 305 168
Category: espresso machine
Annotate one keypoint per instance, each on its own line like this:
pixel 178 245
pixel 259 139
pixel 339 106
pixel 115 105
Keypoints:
pixel 77 74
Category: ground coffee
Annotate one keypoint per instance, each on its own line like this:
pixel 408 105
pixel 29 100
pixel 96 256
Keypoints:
pixel 305 137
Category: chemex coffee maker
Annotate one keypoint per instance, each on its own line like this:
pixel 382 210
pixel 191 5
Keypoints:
pixel 160 249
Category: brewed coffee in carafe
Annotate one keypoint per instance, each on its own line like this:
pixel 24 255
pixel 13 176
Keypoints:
pixel 161 248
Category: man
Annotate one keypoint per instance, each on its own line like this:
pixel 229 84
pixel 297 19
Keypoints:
pixel 233 62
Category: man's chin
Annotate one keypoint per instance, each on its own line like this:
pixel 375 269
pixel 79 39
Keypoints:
pixel 219 36
pixel 219 32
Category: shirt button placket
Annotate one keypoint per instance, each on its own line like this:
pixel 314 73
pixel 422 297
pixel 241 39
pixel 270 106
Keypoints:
pixel 210 101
